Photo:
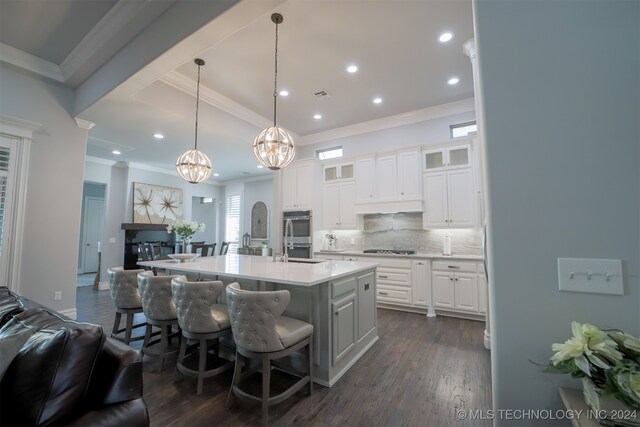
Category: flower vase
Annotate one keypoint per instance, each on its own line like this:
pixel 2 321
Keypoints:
pixel 186 245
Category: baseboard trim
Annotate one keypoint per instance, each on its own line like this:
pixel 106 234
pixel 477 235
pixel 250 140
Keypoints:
pixel 103 286
pixel 71 313
pixel 487 339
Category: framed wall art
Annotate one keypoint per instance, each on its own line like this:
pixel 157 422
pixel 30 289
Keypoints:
pixel 155 204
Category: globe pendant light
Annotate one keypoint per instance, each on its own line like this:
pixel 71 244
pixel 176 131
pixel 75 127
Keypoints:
pixel 273 147
pixel 193 165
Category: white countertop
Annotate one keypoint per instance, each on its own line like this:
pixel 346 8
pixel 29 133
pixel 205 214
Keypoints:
pixel 264 269
pixel 418 255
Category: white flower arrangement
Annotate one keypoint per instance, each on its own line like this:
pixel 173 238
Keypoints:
pixel 609 359
pixel 185 229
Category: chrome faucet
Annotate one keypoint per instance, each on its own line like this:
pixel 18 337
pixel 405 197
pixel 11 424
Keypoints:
pixel 288 225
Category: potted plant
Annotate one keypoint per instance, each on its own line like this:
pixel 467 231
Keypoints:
pixel 608 362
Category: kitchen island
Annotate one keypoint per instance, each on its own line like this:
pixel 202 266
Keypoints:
pixel 337 297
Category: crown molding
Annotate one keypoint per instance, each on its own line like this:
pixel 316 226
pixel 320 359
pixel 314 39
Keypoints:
pixel 416 116
pixel 29 62
pixel 99 160
pixel 18 127
pixel 84 124
pixel 216 99
pixel 469 48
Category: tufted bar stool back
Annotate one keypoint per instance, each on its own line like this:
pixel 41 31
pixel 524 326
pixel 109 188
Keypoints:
pixel 126 299
pixel 261 332
pixel 160 310
pixel 202 321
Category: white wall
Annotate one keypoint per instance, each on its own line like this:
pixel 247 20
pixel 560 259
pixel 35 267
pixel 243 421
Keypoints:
pixel 54 187
pixel 415 134
pixel 561 84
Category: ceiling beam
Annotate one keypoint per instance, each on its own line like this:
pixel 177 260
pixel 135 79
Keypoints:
pixel 26 61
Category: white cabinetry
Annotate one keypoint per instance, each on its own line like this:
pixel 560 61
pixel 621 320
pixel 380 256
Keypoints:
pixel 338 202
pixel 449 199
pixel 455 286
pixel 389 181
pixel 337 172
pixel 449 157
pixel 409 175
pixel 482 290
pixel 421 284
pixel 365 179
pixel 297 185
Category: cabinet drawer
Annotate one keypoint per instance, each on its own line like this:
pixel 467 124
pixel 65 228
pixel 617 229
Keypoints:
pixel 343 287
pixel 394 277
pixel 393 263
pixel 394 294
pixel 454 266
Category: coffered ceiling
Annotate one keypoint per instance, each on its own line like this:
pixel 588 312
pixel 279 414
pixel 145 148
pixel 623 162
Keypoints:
pixel 394 43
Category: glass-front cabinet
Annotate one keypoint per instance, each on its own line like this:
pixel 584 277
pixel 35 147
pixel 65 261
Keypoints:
pixel 446 157
pixel 343 171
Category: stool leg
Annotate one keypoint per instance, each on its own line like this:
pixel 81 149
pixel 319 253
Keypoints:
pixel 310 355
pixel 202 364
pixel 163 346
pixel 236 377
pixel 129 329
pixel 116 324
pixel 147 336
pixel 266 378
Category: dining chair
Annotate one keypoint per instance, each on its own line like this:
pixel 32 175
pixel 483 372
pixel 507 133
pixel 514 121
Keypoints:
pixel 203 249
pixel 261 332
pixel 202 321
pixel 224 248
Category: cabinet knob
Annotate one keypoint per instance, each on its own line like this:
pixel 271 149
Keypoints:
pixel 337 313
pixel 382 293
pixel 402 194
pixel 451 278
pixel 456 279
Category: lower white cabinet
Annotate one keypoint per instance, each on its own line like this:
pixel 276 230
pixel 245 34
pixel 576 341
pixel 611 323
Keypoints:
pixel 394 281
pixel 344 327
pixel 482 290
pixel 421 295
pixel 455 286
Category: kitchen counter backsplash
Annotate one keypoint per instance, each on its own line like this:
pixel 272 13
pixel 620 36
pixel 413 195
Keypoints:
pixel 404 231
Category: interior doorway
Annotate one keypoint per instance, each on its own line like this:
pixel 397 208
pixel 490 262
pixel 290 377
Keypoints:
pixel 91 230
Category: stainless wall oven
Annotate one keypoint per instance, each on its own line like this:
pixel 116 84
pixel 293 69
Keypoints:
pixel 301 237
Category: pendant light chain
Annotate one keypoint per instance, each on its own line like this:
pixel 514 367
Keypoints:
pixel 197 106
pixel 275 80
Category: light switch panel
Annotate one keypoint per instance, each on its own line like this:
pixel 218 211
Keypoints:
pixel 598 276
pixel 112 239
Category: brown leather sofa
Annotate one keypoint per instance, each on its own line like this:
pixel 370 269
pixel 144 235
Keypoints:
pixel 68 372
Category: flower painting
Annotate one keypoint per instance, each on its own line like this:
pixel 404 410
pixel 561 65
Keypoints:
pixel 154 204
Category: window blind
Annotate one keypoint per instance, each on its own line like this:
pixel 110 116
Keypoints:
pixel 4 172
pixel 232 222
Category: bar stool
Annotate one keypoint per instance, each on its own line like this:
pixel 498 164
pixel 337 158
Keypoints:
pixel 160 310
pixel 261 332
pixel 126 299
pixel 203 320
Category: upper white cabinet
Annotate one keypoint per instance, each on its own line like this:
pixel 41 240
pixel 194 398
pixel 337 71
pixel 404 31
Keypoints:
pixel 449 199
pixel 409 175
pixel 365 179
pixel 392 177
pixel 338 203
pixel 337 172
pixel 458 156
pixel 297 185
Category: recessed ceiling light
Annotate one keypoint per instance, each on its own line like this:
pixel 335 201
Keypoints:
pixel 445 37
pixel 317 116
pixel 453 81
pixel 216 174
pixel 377 100
pixel 116 152
pixel 158 136
pixel 284 93
pixel 260 167
pixel 352 68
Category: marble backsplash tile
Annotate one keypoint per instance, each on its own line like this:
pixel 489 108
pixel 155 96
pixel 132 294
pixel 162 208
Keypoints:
pixel 404 231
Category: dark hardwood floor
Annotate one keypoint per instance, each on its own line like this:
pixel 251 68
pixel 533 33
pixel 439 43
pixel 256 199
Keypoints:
pixel 419 372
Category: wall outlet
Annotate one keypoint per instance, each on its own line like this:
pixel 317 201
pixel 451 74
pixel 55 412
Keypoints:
pixel 57 295
pixel 112 239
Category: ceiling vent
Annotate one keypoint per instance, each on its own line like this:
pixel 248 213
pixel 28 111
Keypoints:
pixel 322 94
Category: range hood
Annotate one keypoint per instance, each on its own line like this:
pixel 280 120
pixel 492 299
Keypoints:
pixel 389 207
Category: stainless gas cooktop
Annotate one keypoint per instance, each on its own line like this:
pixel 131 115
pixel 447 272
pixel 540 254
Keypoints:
pixel 389 251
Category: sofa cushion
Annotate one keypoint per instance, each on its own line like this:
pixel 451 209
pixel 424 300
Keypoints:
pixel 9 304
pixel 63 353
pixel 13 335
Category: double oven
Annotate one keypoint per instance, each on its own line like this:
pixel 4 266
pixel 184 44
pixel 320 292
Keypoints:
pixel 301 237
